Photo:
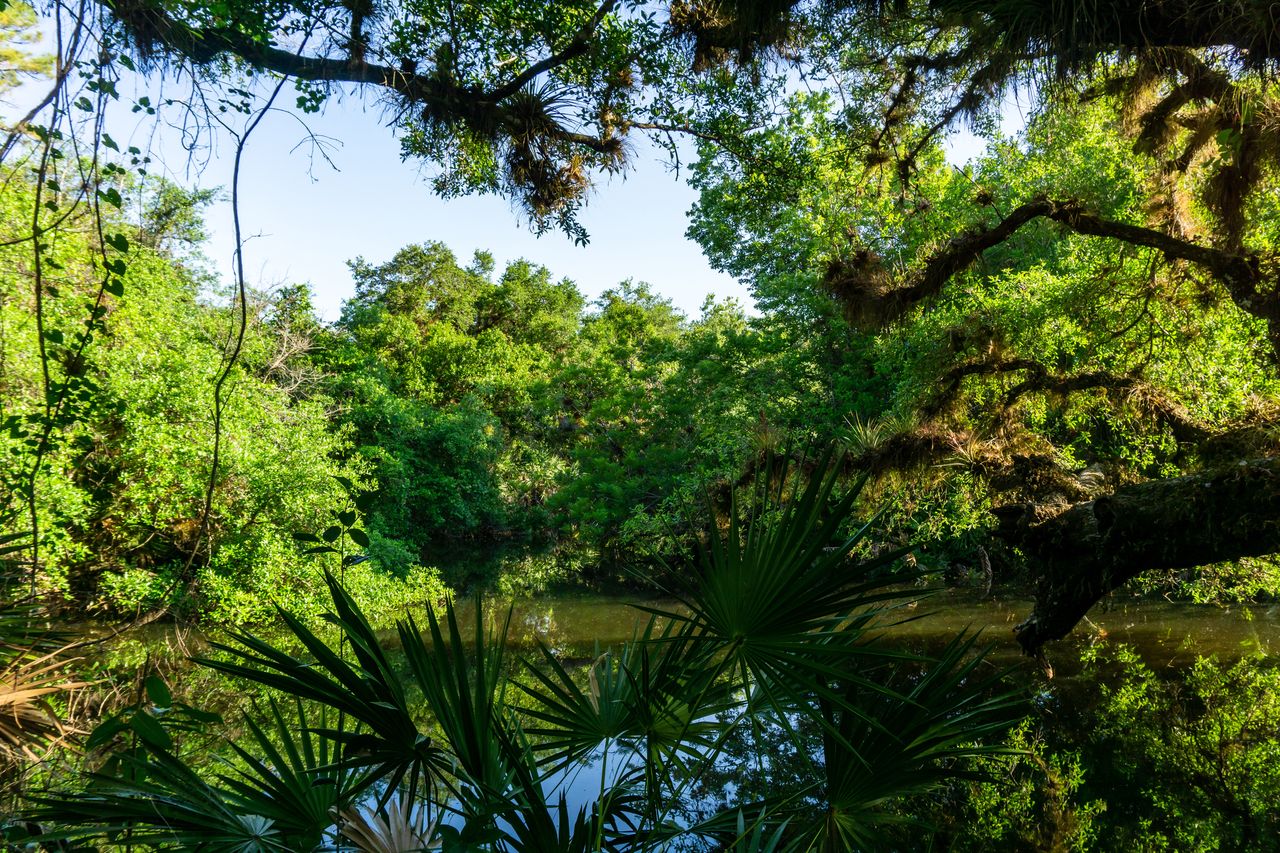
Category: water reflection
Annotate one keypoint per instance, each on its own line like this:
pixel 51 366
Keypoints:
pixel 1164 633
pixel 772 759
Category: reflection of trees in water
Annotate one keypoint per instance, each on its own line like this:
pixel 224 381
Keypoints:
pixel 1125 749
pixel 1124 755
pixel 761 760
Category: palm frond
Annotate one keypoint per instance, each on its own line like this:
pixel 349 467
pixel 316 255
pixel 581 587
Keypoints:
pixel 935 718
pixel 777 596
pixel 390 745
pixel 396 829
pixel 160 802
pixel 749 829
pixel 28 720
pixel 296 784
pixel 656 692
pixel 466 697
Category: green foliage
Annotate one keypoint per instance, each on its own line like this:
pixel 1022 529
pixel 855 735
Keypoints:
pixel 119 492
pixel 1129 755
pixel 1202 756
pixel 449 405
pixel 478 406
pixel 664 706
pixel 438 368
pixel 17 34
pixel 1032 799
pixel 1057 366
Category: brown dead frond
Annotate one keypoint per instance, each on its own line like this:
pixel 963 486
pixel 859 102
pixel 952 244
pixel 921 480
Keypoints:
pixel 28 719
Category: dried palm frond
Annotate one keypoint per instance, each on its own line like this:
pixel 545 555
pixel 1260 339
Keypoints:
pixel 27 719
pixel 399 830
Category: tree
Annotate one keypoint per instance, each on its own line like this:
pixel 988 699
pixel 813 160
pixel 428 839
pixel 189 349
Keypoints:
pixel 524 101
pixel 532 102
pixel 17 34
pixel 1056 367
pixel 122 477
pixel 1192 79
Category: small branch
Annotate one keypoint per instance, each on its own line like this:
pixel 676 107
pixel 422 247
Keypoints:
pixel 577 46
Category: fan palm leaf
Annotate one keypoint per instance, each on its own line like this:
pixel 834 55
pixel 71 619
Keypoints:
pixel 465 694
pixel 397 829
pixel 295 784
pixel 655 690
pixel 777 598
pixel 942 715
pixel 369 691
pixel 160 802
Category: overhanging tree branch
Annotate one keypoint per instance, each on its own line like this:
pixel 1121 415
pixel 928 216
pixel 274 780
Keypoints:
pixel 868 294
pixel 1095 547
pixel 870 297
pixel 154 27
pixel 1149 400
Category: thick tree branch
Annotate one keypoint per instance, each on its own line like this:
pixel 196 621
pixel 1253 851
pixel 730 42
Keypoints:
pixel 870 297
pixel 1094 547
pixel 1076 34
pixel 1149 400
pixel 952 381
pixel 868 294
pixel 152 27
pixel 1241 274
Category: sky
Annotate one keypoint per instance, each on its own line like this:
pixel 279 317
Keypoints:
pixel 305 215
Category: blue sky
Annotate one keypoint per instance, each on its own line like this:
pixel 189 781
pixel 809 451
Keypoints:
pixel 306 218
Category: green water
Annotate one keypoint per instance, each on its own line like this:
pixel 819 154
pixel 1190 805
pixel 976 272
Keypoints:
pixel 1164 633
pixel 575 626
pixel 1168 636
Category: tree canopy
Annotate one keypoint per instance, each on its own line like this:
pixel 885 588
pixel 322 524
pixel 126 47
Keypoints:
pixel 1058 315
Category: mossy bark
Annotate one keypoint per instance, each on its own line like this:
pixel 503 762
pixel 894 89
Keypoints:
pixel 1092 548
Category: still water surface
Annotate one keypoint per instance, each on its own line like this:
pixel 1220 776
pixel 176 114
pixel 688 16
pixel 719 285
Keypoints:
pixel 1164 633
pixel 577 626
pixel 1169 636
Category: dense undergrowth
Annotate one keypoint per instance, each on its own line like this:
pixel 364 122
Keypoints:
pixel 177 449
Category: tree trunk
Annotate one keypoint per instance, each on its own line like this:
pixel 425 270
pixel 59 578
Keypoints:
pixel 1092 548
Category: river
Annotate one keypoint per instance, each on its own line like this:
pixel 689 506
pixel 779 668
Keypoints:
pixel 1068 712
